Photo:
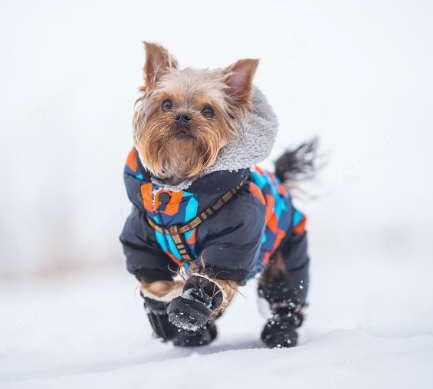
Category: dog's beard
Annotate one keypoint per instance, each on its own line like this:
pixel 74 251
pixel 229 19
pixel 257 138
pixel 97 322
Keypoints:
pixel 175 154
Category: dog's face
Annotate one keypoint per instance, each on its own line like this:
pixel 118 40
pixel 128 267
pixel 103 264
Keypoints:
pixel 185 116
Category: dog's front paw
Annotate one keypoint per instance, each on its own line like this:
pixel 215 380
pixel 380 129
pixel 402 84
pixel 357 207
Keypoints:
pixel 188 313
pixel 193 309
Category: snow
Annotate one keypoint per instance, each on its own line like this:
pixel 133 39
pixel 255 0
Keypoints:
pixel 363 329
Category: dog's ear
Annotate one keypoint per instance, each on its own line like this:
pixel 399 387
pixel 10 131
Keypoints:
pixel 158 61
pixel 239 80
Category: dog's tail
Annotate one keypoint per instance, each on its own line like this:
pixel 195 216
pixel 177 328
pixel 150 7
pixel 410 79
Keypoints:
pixel 299 163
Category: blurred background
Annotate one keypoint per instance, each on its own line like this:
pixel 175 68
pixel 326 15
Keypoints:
pixel 358 74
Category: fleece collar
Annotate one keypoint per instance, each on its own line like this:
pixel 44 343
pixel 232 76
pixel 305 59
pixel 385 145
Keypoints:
pixel 235 159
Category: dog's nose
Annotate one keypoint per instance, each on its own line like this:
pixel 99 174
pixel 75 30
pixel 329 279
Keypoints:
pixel 183 117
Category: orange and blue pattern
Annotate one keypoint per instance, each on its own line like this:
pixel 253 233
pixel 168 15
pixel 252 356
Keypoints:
pixel 280 214
pixel 168 208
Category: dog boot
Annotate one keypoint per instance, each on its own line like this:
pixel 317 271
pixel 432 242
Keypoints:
pixel 201 337
pixel 192 310
pixel 280 330
pixel 166 331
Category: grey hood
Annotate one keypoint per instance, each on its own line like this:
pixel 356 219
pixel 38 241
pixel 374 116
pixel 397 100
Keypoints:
pixel 244 151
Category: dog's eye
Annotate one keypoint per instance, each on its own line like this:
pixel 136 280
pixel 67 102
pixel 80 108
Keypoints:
pixel 166 105
pixel 207 112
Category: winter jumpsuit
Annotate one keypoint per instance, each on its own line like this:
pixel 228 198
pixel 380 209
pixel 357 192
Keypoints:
pixel 235 243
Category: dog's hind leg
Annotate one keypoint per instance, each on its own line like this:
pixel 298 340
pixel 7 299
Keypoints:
pixel 284 284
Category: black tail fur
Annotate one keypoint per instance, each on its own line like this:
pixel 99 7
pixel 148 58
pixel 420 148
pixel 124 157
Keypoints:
pixel 299 163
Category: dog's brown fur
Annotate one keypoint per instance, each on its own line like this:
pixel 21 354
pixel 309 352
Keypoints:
pixel 276 266
pixel 168 290
pixel 168 156
pixel 162 290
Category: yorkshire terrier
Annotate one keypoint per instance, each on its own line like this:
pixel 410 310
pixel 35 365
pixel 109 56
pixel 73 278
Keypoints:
pixel 206 219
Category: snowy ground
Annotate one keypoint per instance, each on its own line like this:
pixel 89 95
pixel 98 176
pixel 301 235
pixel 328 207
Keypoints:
pixel 364 329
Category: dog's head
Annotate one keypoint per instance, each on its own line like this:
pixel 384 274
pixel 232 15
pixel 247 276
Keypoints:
pixel 185 116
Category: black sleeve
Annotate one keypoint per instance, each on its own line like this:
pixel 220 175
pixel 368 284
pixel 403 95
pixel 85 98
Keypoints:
pixel 297 264
pixel 292 285
pixel 229 241
pixel 144 257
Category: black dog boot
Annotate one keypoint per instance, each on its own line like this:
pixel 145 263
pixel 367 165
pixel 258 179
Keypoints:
pixel 201 337
pixel 280 330
pixel 192 310
pixel 166 331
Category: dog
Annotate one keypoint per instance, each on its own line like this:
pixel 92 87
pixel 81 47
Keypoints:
pixel 206 218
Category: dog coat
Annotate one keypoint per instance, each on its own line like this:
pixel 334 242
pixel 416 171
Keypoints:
pixel 235 242
pixel 238 239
